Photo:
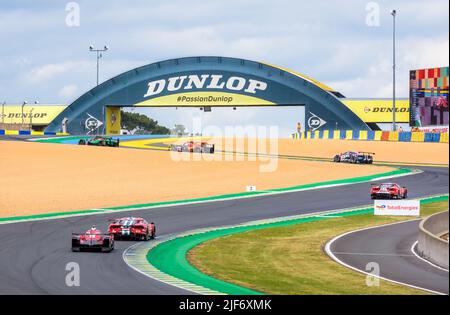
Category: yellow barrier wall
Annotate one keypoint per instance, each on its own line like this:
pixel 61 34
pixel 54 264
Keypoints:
pixel 363 135
pixel 393 136
pixel 348 134
pixel 418 137
pixel 336 134
pixel 378 134
pixel 444 138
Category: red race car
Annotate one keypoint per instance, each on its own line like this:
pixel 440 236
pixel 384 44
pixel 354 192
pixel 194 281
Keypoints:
pixel 132 228
pixel 193 146
pixel 92 239
pixel 388 191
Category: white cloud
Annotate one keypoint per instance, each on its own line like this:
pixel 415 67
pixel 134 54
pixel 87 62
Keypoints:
pixel 426 53
pixel 68 91
pixel 326 40
pixel 376 79
pixel 50 71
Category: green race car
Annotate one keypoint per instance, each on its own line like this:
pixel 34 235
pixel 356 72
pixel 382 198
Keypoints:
pixel 100 141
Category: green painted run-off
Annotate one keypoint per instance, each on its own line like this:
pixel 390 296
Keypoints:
pixel 171 257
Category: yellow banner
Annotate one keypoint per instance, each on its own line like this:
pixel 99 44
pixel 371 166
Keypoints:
pixel 113 120
pixel 379 111
pixel 196 99
pixel 32 114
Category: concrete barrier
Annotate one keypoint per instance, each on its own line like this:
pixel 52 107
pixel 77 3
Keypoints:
pixel 431 246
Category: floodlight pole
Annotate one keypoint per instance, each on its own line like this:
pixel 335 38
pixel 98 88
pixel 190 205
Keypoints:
pixel 394 124
pixel 31 119
pixel 99 55
pixel 3 112
pixel 23 105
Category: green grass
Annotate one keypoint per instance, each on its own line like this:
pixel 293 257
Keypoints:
pixel 290 260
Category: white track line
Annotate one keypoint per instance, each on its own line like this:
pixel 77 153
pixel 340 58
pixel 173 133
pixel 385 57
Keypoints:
pixel 425 260
pixel 141 265
pixel 155 274
pixel 331 254
pixel 263 193
pixel 49 138
pixel 374 254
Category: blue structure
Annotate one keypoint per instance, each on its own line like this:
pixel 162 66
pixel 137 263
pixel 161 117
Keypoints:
pixel 208 81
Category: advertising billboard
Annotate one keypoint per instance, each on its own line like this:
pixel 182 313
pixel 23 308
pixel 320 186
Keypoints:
pixel 397 207
pixel 429 97
pixel 379 110
pixel 113 120
pixel 29 114
pixel 210 82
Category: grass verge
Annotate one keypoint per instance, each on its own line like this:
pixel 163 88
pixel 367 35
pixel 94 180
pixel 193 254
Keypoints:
pixel 290 260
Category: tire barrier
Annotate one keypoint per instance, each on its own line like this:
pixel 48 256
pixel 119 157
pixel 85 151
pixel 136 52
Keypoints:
pixel 404 136
pixel 431 245
pixel 30 133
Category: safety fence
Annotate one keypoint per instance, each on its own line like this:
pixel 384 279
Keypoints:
pixel 373 135
pixel 30 133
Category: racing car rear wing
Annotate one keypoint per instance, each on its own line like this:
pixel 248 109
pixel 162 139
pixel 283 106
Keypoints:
pixel 83 234
pixel 373 153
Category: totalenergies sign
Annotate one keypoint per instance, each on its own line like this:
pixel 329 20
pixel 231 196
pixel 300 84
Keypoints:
pixel 204 89
pixel 379 111
pixel 397 207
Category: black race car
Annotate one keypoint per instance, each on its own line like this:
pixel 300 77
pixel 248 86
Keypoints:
pixel 354 157
pixel 92 240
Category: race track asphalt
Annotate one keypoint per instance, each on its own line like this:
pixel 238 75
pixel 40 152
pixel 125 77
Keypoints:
pixel 390 247
pixel 33 255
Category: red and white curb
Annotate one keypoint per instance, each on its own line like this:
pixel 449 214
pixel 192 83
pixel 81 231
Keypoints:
pixel 135 256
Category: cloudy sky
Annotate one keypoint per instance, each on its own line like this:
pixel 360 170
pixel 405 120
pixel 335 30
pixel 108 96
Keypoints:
pixel 341 43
